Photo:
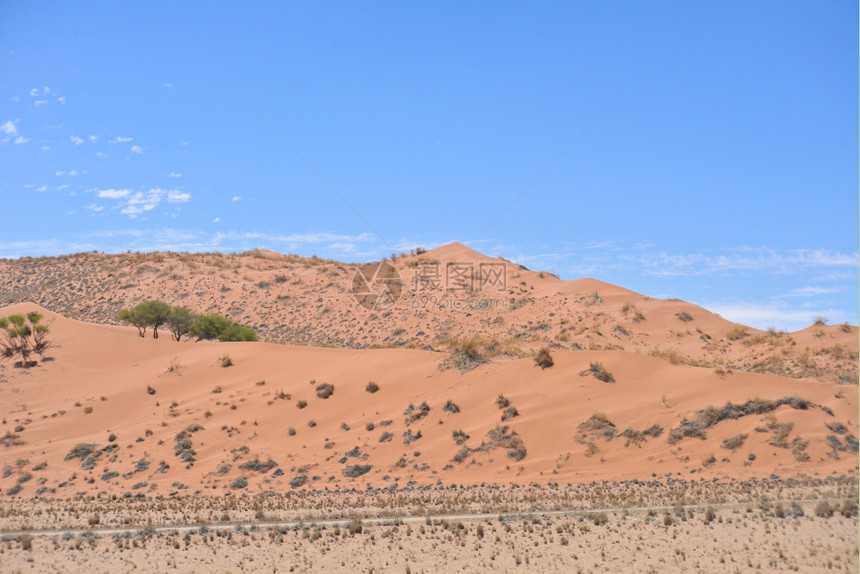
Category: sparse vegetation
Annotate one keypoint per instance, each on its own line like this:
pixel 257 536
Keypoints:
pixel 325 390
pixel 599 372
pixel 24 336
pixel 737 332
pixel 734 442
pixel 543 359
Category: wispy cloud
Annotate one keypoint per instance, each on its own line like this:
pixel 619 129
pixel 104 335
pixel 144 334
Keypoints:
pixel 174 174
pixel 9 127
pixel 812 291
pixel 136 149
pixel 765 314
pixel 236 198
pixel 119 140
pixel 135 203
pixel 747 258
pixel 113 193
pixel 21 140
pixel 76 140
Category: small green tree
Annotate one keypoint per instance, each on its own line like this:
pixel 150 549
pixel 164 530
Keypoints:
pixel 215 326
pixel 133 317
pixel 157 313
pixel 23 335
pixel 148 314
pixel 181 322
pixel 208 327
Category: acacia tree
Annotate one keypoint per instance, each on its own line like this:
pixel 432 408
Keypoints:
pixel 149 314
pixel 23 335
pixel 135 318
pixel 181 321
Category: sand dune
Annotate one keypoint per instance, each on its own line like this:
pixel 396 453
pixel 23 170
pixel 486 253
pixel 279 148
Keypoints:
pixel 96 390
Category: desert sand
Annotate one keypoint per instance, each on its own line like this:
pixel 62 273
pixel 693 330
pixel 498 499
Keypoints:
pixel 651 408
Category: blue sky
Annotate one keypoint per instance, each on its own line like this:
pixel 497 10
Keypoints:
pixel 713 158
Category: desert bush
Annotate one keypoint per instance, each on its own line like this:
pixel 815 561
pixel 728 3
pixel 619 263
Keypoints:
pixel 302 404
pixel 543 359
pixel 798 449
pixel 371 387
pixel 633 437
pixel 735 442
pixel 23 335
pixel 466 353
pixel 737 332
pixel 710 514
pixel 325 390
pixel 355 470
pixel 599 372
pixel 597 425
pixel 653 431
pixel 502 436
pixel 824 510
pixel 684 316
pixel 451 407
pixel 225 361
pixel 510 413
pixel 502 401
pixel 386 437
pixel 256 465
pixel 459 436
pixel 849 508
pixel 413 414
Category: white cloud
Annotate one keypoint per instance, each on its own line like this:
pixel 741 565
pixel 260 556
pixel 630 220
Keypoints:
pixel 216 220
pixel 73 173
pixel 46 148
pixel 76 140
pixel 114 193
pixel 168 85
pixel 95 208
pixel 236 198
pixel 58 173
pixel 9 128
pixel 16 99
pixel 174 174
pixel 46 90
pixel 134 203
pixel 101 154
pixel 812 291
pixel 93 139
pixel 34 92
pixel 118 139
pixel 43 188
pixel 61 100
pixel 40 102
pixel 21 140
pixel 766 315
pixel 136 149
pixel 62 187
pixel 174 196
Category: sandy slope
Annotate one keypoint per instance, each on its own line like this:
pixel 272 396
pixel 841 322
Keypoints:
pixel 309 301
pixel 247 410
